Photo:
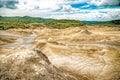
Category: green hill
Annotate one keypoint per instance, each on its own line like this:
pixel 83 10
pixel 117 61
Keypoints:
pixel 64 23
pixel 21 22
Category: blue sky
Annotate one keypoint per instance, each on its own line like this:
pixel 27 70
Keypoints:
pixel 90 10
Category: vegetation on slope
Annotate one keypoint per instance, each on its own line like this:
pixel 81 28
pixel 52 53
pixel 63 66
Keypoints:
pixel 113 23
pixel 22 22
pixel 64 23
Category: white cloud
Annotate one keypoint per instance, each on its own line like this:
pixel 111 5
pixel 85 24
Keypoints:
pixel 40 4
pixel 104 2
pixel 69 8
pixel 59 9
pixel 94 15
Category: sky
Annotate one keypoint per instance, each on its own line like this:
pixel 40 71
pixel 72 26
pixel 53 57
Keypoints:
pixel 84 10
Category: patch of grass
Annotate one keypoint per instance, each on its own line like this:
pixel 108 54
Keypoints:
pixel 12 24
pixel 64 23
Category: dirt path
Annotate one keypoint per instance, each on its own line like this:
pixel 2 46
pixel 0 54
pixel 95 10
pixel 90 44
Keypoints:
pixel 21 41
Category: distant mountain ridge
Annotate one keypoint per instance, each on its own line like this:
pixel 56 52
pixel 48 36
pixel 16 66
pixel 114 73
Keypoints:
pixel 21 22
pixel 97 22
pixel 38 19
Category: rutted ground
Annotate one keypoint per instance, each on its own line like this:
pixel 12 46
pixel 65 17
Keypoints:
pixel 80 53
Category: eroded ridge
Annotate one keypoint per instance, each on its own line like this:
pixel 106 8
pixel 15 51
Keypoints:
pixel 32 64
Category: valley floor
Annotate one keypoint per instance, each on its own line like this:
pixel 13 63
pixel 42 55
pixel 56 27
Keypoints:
pixel 75 53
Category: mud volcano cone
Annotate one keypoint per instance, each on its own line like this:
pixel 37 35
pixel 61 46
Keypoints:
pixel 85 32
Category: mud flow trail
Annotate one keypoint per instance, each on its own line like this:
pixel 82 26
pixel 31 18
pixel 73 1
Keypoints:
pixel 20 40
pixel 76 53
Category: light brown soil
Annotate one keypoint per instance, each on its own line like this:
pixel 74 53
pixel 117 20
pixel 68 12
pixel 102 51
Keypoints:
pixel 79 53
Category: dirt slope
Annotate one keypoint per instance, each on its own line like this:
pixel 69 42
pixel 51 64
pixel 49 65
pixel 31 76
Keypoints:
pixel 79 53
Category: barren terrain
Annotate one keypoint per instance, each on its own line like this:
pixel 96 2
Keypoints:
pixel 75 53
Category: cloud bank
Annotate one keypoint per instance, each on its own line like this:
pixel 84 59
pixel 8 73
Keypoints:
pixel 93 10
pixel 8 4
pixel 104 2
